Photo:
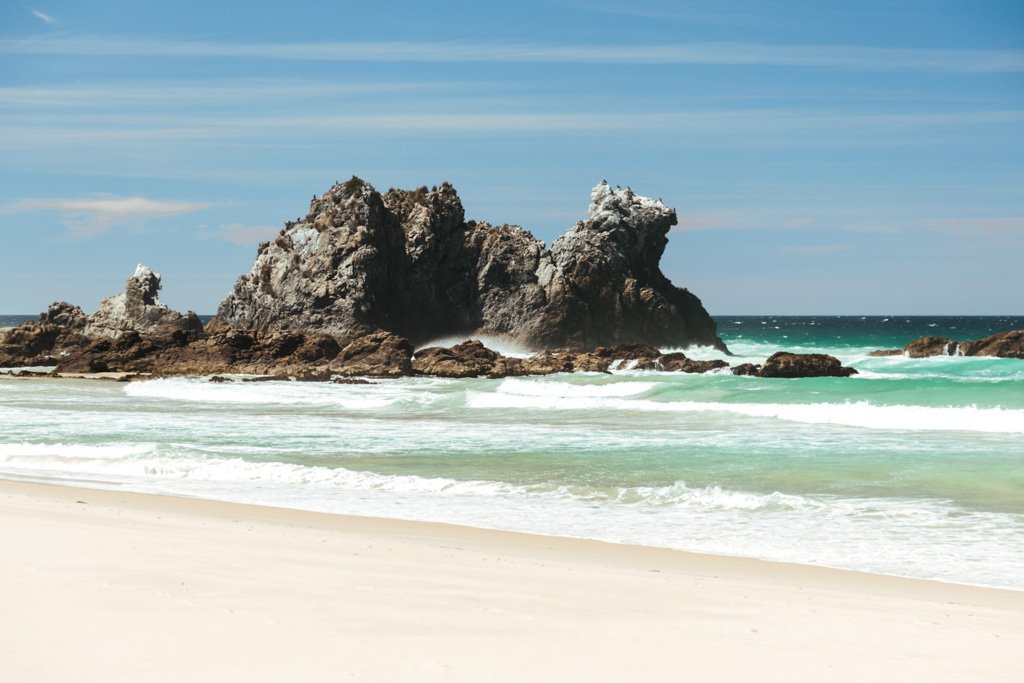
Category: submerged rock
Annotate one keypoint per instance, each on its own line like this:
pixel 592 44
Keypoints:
pixel 409 263
pixel 792 365
pixel 746 369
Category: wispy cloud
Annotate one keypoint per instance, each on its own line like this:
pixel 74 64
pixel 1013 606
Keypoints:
pixel 44 17
pixel 853 57
pixel 787 126
pixel 227 93
pixel 977 227
pixel 90 217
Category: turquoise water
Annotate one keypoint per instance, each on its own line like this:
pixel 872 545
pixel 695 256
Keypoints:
pixel 913 467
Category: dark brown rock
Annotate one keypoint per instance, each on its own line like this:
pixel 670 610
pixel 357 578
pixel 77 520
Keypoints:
pixel 1002 345
pixel 469 359
pixel 379 354
pixel 42 342
pixel 792 365
pixel 930 346
pixel 746 369
pixel 678 362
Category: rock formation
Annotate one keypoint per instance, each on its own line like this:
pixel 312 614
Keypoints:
pixel 409 263
pixel 791 365
pixel 1001 345
pixel 128 326
pixel 43 341
pixel 138 309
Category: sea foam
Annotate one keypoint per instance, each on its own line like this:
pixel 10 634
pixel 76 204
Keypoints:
pixel 555 396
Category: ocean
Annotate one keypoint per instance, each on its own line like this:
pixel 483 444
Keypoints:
pixel 912 468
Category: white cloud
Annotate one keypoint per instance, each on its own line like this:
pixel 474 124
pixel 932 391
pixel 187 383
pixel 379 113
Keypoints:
pixel 90 217
pixel 44 17
pixel 788 126
pixel 852 57
pixel 976 227
pixel 227 93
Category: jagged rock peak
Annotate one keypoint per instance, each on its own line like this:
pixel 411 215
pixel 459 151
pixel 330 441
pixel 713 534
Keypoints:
pixel 408 262
pixel 143 286
pixel 613 207
pixel 137 308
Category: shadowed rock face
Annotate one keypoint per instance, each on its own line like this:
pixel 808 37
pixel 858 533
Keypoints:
pixel 408 262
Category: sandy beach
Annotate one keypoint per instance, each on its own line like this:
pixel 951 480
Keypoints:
pixel 116 586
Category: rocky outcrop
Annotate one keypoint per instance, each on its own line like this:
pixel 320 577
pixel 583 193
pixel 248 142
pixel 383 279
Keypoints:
pixel 1001 345
pixel 43 341
pixel 930 346
pixel 137 309
pixel 409 263
pixel 792 365
pixel 469 359
pixel 127 327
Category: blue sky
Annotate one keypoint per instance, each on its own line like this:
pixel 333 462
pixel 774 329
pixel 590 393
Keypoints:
pixel 824 157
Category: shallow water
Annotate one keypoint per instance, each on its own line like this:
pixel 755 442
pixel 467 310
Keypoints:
pixel 913 467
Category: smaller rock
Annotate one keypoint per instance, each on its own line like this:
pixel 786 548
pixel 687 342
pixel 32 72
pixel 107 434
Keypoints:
pixel 678 362
pixel 469 359
pixel 884 353
pixel 380 354
pixel 930 346
pixel 791 365
pixel 746 369
pixel 138 308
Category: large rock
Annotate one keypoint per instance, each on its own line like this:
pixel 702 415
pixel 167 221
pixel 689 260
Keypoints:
pixel 138 309
pixel 408 262
pixel 792 365
pixel 42 342
pixel 1002 345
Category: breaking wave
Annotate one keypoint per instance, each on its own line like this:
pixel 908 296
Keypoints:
pixel 555 396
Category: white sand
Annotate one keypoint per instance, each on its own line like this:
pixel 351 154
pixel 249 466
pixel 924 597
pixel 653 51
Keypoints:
pixel 126 587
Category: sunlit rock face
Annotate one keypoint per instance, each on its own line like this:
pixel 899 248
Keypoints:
pixel 138 309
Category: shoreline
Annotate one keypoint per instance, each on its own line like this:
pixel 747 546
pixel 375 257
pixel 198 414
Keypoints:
pixel 187 586
pixel 356 520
